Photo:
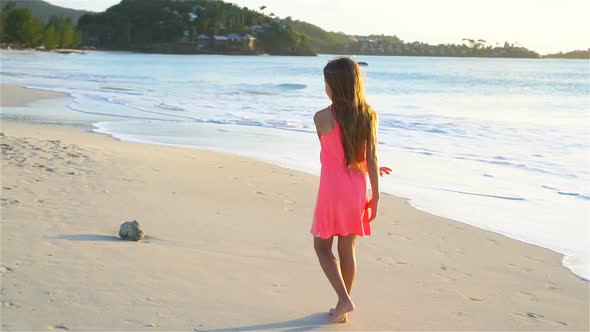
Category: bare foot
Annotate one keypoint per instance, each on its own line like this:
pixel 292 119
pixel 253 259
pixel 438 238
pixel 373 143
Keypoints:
pixel 341 320
pixel 342 308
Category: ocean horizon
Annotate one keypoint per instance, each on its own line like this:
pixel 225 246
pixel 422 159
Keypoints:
pixel 500 144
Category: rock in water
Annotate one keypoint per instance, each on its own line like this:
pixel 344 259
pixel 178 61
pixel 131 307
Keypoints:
pixel 131 231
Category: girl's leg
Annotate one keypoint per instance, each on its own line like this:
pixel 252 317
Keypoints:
pixel 347 255
pixel 329 264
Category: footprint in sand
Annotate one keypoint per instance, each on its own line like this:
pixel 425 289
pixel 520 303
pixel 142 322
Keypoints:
pixel 492 241
pixel 525 317
pixel 9 201
pixel 536 318
pixel 4 268
pixel 521 268
pixel 531 297
pixel 277 289
pixel 59 327
pixel 551 286
pixel 535 259
pixel 9 303
pixel 470 298
pixel 388 262
pixel 446 267
pixel 458 314
pixel 445 277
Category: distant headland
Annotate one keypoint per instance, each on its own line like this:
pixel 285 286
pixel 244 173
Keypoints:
pixel 214 27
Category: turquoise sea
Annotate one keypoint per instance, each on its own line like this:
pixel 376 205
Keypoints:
pixel 501 144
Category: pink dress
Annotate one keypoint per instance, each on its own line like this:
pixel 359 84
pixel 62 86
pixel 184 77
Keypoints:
pixel 343 193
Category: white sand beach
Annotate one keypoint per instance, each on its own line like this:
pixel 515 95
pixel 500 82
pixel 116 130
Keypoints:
pixel 228 247
pixel 16 95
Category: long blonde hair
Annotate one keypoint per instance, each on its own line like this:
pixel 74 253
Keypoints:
pixel 358 121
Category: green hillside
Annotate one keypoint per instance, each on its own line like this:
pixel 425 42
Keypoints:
pixel 578 54
pixel 45 10
pixel 319 39
pixel 191 26
pixel 20 28
pixel 175 26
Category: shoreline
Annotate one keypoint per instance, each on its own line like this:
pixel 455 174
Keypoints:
pixel 14 95
pixel 90 128
pixel 198 206
pixel 83 52
pixel 406 200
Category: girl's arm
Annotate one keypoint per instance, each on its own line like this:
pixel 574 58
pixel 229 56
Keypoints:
pixel 316 121
pixel 373 170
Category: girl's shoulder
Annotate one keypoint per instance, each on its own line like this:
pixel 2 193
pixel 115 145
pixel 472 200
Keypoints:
pixel 324 114
pixel 324 120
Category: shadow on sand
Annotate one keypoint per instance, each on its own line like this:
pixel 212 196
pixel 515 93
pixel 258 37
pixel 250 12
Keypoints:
pixel 86 237
pixel 306 323
pixel 102 237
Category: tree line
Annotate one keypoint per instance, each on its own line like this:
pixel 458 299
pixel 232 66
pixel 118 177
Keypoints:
pixel 339 43
pixel 579 54
pixel 19 27
pixel 160 24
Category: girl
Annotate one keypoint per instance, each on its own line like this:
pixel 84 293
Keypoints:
pixel 347 131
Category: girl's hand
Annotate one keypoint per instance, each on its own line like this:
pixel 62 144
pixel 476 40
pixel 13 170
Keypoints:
pixel 373 206
pixel 384 170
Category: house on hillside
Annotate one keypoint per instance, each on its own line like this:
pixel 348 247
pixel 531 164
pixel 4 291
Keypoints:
pixel 234 37
pixel 254 28
pixel 192 17
pixel 249 40
pixel 220 41
pixel 185 36
pixel 246 40
pixel 203 41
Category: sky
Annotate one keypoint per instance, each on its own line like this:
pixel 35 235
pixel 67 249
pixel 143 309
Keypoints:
pixel 545 26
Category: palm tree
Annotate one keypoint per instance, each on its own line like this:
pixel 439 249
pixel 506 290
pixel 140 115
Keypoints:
pixel 470 41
